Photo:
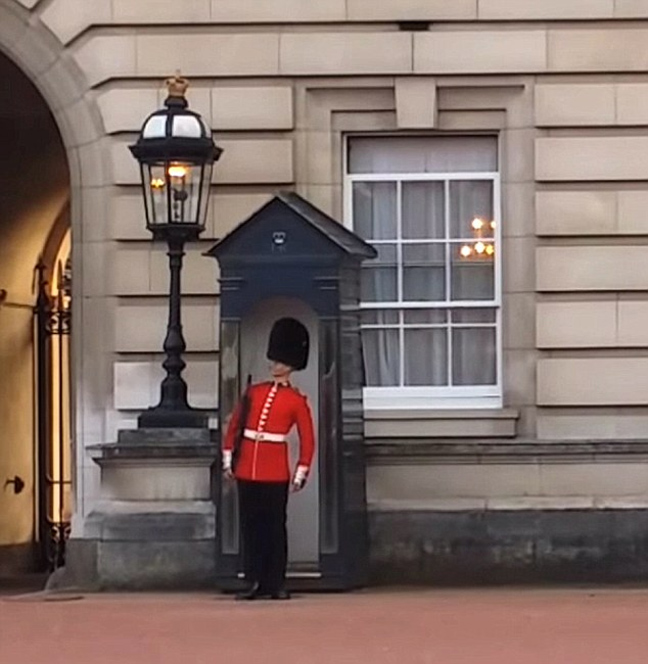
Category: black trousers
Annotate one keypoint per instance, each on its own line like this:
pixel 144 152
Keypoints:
pixel 262 510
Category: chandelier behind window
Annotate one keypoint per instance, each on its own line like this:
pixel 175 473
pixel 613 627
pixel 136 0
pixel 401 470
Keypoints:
pixel 481 248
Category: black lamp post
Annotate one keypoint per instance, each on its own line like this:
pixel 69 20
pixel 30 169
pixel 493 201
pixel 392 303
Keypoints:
pixel 176 153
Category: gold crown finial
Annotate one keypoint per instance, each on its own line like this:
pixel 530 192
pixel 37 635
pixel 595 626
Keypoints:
pixel 177 85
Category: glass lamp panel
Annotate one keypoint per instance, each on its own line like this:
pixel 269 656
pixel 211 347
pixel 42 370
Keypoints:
pixel 203 207
pixel 184 179
pixel 155 193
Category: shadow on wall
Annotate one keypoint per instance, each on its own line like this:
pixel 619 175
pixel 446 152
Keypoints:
pixel 34 194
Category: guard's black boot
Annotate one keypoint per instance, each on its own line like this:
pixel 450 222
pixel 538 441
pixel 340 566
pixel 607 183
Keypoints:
pixel 253 592
pixel 282 593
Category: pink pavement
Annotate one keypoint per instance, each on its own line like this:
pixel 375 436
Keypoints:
pixel 512 626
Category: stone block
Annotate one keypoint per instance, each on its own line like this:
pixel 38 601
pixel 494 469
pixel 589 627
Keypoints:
pixel 311 54
pixel 156 565
pixel 252 108
pixel 611 426
pixel 125 109
pixel 630 9
pixel 598 50
pixel 528 10
pixel 105 56
pixel 592 158
pixel 518 257
pixel 577 324
pixel 594 479
pixel 131 270
pixel 423 482
pixel 241 54
pixel 519 317
pixel 267 161
pixel 575 105
pixel 576 212
pixel 517 155
pixel 632 102
pixel 124 167
pixel 592 268
pixel 518 209
pixel 593 381
pixel 158 482
pixel 199 273
pixel 411 10
pixel 140 327
pixel 633 324
pixel 154 11
pixel 277 11
pixel 480 52
pixel 416 103
pixel 68 18
pixel 137 384
pixel 632 206
pixel 127 217
pixel 508 546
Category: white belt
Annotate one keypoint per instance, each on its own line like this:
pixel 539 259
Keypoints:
pixel 262 436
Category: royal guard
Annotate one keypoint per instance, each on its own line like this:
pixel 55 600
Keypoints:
pixel 255 452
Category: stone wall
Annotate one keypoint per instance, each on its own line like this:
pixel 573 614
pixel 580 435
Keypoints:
pixel 282 82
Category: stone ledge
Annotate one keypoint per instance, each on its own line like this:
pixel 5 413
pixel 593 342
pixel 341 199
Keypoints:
pixel 157 445
pixel 498 451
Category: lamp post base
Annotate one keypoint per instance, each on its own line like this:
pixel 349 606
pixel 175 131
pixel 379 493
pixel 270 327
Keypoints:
pixel 167 418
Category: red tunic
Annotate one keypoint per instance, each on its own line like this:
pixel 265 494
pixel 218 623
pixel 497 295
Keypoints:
pixel 274 410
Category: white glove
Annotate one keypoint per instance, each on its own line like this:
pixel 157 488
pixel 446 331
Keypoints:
pixel 299 479
pixel 227 463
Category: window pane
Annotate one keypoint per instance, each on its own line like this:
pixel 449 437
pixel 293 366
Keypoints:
pixel 426 316
pixel 471 209
pixel 448 154
pixel 374 210
pixel 380 317
pixel 426 357
pixel 472 278
pixel 424 272
pixel 423 211
pixel 379 276
pixel 473 356
pixel 381 357
pixel 473 316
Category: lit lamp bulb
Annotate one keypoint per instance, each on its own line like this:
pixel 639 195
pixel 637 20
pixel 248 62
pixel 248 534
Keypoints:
pixel 490 249
pixel 178 171
pixel 492 225
pixel 480 247
pixel 477 224
pixel 157 183
pixel 465 251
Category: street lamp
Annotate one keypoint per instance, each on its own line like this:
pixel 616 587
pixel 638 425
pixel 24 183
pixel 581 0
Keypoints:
pixel 176 154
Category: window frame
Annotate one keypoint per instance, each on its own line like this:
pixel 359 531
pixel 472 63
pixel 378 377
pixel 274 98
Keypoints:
pixel 447 396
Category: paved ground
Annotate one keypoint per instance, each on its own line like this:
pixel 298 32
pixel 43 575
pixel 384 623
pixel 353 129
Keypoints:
pixel 410 627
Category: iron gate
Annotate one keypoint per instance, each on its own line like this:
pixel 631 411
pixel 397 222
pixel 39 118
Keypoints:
pixel 52 324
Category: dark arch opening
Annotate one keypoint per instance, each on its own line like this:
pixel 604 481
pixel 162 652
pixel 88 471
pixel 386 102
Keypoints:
pixel 34 227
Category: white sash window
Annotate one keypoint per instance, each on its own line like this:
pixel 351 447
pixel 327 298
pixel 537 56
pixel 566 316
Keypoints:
pixel 431 300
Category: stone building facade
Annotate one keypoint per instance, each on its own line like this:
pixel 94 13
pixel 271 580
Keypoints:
pixel 521 450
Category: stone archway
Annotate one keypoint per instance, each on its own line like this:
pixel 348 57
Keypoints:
pixel 44 61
